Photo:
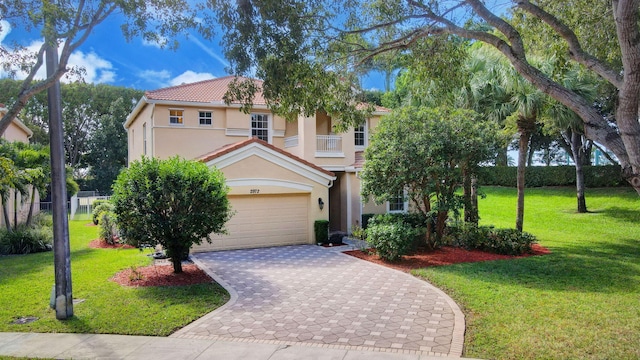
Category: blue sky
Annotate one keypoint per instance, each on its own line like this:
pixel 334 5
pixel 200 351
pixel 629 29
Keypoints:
pixel 108 58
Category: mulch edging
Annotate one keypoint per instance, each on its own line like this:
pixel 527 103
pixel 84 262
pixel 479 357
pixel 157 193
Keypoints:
pixel 447 255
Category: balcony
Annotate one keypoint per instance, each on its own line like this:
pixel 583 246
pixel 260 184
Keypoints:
pixel 329 146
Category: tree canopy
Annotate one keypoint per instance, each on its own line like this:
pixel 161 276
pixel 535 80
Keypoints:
pixel 175 203
pixel 426 152
pixel 318 43
pixel 70 23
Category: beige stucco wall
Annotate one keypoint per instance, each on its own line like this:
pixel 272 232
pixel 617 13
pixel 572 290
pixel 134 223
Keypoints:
pixel 16 133
pixel 190 139
pixel 258 170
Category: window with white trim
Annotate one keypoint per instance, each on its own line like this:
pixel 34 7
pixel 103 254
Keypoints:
pixel 205 118
pixel 260 126
pixel 397 203
pixel 360 135
pixel 175 117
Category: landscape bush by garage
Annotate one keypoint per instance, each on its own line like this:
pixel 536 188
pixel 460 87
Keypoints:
pixel 321 230
pixel 175 203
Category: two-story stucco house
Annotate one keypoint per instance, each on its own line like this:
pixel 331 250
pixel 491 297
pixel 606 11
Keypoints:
pixel 17 131
pixel 283 176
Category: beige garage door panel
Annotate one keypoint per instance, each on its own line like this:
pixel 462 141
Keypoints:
pixel 264 220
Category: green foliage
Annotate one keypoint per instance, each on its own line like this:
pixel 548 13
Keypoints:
pixel 537 176
pixel 27 239
pixel 175 203
pixel 365 220
pixel 109 308
pixel 488 238
pixel 425 152
pixel 391 240
pixel 99 207
pixel 321 231
pixel 108 227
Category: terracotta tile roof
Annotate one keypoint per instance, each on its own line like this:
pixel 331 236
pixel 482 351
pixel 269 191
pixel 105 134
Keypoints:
pixel 359 160
pixel 232 147
pixel 205 91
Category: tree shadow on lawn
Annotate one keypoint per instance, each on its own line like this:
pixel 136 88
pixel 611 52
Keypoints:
pixel 607 268
pixel 620 213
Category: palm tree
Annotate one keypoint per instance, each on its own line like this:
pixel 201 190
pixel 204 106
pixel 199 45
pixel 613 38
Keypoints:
pixel 501 93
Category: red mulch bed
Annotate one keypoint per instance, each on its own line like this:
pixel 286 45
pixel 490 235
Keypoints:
pixel 101 244
pixel 161 275
pixel 446 255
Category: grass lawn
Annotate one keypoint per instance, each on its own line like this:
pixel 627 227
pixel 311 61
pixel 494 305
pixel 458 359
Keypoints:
pixel 582 301
pixel 26 282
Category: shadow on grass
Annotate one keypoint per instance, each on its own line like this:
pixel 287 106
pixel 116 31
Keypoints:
pixel 604 268
pixel 620 213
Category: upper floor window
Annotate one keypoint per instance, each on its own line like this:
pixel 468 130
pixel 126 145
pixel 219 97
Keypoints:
pixel 205 118
pixel 398 203
pixel 175 117
pixel 260 126
pixel 360 135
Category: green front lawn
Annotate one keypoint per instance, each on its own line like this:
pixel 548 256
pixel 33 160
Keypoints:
pixel 26 282
pixel 582 301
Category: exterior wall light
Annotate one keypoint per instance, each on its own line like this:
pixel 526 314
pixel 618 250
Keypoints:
pixel 320 203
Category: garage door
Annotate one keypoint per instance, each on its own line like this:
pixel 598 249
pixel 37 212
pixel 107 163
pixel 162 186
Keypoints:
pixel 263 220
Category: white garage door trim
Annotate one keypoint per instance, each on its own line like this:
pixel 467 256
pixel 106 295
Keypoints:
pixel 263 220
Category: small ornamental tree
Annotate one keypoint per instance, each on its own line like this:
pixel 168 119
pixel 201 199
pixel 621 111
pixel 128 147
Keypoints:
pixel 426 152
pixel 175 203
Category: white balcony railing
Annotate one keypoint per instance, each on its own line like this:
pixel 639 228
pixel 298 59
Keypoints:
pixel 329 144
pixel 291 141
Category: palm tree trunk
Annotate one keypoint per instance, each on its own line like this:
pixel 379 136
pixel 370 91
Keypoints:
pixel 5 214
pixel 578 154
pixel 31 203
pixel 15 210
pixel 522 160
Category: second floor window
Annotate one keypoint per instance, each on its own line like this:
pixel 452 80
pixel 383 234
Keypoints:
pixel 175 117
pixel 205 118
pixel 359 135
pixel 260 126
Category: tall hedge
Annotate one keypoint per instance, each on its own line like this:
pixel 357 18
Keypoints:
pixel 537 176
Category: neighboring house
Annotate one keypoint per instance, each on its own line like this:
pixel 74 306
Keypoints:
pixel 17 131
pixel 283 176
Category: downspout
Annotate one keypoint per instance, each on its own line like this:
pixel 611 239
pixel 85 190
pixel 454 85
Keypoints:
pixel 153 126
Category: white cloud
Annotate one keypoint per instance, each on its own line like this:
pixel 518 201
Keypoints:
pixel 189 77
pixel 161 75
pixel 97 70
pixel 5 29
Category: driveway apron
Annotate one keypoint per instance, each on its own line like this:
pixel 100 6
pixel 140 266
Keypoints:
pixel 309 294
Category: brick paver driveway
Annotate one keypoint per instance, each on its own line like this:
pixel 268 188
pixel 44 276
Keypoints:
pixel 309 294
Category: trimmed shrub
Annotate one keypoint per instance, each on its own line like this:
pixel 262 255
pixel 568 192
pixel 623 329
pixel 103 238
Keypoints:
pixel 488 238
pixel 321 229
pixel 391 241
pixel 108 230
pixel 100 206
pixel 365 220
pixel 538 176
pixel 26 240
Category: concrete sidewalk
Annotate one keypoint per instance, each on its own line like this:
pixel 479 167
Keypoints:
pixel 87 346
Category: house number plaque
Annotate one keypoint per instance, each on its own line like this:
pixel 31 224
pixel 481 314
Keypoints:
pixel 254 191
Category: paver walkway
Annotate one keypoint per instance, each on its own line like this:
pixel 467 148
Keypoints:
pixel 311 295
